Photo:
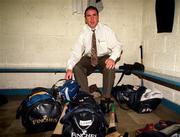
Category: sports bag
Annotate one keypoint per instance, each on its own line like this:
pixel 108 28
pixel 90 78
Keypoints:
pixel 84 118
pixel 138 98
pixel 65 90
pixel 39 111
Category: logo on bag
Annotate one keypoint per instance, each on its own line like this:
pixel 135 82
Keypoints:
pixel 84 134
pixel 44 120
pixel 85 123
pixel 147 110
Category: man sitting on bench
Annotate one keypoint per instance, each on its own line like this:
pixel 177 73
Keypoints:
pixel 96 48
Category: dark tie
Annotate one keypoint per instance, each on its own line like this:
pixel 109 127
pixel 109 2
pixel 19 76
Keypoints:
pixel 94 59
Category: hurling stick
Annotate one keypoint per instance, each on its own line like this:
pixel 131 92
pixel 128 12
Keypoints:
pixel 141 51
pixel 112 132
pixel 59 127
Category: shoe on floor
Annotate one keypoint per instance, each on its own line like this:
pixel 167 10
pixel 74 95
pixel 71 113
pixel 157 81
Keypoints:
pixel 94 91
pixel 163 124
pixel 148 127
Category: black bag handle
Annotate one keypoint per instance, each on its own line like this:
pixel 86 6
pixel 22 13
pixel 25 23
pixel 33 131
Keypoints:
pixel 55 84
pixel 122 75
pixel 54 87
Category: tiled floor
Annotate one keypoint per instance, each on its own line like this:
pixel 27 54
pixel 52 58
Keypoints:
pixel 128 120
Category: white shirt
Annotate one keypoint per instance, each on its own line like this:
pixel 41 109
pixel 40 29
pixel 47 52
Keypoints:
pixel 106 43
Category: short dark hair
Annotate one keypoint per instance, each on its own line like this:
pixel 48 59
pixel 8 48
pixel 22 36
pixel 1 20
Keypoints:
pixel 91 8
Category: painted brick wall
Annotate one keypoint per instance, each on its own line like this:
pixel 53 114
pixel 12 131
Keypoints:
pixel 161 50
pixel 41 33
pixel 37 33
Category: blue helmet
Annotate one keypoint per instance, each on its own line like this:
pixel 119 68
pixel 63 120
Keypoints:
pixel 69 90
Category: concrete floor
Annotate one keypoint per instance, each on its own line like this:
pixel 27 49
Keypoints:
pixel 128 120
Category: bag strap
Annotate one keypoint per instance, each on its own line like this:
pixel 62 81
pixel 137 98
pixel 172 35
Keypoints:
pixel 54 87
pixel 122 75
pixel 55 84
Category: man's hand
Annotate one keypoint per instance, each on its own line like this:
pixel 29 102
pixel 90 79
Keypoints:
pixel 110 64
pixel 69 74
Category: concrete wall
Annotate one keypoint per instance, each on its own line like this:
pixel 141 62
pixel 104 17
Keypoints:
pixel 161 50
pixel 41 33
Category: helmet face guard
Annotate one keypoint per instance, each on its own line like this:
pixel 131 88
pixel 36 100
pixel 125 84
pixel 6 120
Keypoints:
pixel 69 90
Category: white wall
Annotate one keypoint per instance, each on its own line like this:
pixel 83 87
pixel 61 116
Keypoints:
pixel 37 33
pixel 161 50
pixel 41 33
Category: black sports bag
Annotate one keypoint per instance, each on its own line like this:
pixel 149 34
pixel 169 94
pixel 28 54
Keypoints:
pixel 84 118
pixel 138 98
pixel 39 111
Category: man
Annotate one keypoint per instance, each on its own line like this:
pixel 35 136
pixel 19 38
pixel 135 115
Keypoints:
pixel 96 48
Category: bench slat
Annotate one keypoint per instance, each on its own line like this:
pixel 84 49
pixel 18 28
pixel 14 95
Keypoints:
pixel 166 80
pixel 169 81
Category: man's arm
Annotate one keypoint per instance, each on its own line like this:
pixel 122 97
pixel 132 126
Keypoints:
pixel 115 46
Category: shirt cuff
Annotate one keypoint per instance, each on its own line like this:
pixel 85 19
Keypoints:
pixel 113 57
pixel 69 68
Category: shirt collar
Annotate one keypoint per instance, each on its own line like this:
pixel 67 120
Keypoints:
pixel 96 28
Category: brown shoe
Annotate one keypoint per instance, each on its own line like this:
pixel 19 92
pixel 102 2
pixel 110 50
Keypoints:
pixel 148 127
pixel 163 124
pixel 94 91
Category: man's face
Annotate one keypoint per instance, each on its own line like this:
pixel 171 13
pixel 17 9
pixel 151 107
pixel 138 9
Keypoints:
pixel 91 18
